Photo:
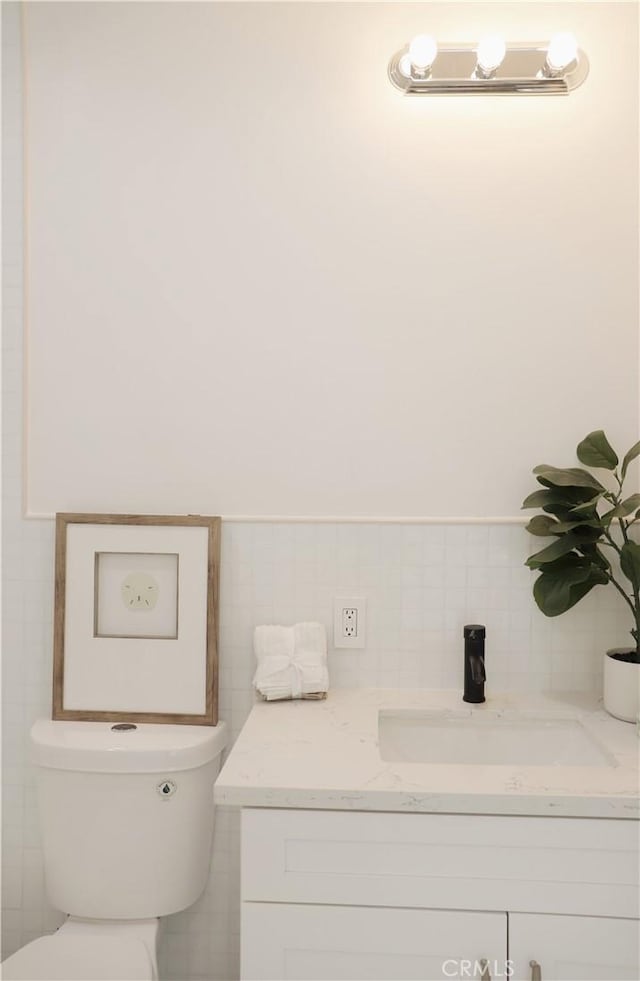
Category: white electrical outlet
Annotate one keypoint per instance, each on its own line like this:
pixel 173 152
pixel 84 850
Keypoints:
pixel 349 621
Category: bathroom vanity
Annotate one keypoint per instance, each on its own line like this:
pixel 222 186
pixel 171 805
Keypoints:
pixel 403 834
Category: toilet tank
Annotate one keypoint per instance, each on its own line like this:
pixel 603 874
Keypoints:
pixel 126 815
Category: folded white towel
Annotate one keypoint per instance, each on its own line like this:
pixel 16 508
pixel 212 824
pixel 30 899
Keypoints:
pixel 292 661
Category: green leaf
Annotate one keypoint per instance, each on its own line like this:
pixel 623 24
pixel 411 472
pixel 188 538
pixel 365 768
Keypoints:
pixel 586 535
pixel 554 551
pixel 593 554
pixel 571 477
pixel 542 524
pixel 577 567
pixel 595 450
pixel 555 593
pixel 563 526
pixel 631 455
pixel 587 506
pixel 552 595
pixel 562 500
pixel 582 588
pixel 623 509
pixel 630 562
pixel 536 499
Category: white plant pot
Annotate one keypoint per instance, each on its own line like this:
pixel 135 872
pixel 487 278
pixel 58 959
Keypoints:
pixel 621 687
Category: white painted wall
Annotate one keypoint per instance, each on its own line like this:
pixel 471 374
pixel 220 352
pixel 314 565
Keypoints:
pixel 261 281
pixel 422 584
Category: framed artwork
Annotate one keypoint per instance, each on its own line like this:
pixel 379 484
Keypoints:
pixel 135 618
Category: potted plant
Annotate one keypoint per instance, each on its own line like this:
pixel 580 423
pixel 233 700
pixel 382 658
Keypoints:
pixel 591 526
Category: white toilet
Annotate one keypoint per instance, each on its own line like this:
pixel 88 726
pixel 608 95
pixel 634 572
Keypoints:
pixel 126 814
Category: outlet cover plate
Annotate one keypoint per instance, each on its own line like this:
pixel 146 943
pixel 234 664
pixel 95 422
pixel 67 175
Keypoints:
pixel 349 621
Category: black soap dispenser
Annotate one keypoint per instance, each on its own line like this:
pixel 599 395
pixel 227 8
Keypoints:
pixel 474 671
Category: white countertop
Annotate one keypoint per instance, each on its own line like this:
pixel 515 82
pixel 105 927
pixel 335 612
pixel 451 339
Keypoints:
pixel 324 754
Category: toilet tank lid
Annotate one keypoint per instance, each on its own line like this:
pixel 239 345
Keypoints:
pixel 96 747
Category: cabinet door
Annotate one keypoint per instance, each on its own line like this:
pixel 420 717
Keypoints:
pixel 573 948
pixel 291 942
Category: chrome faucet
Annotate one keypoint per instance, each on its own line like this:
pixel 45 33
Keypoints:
pixel 474 671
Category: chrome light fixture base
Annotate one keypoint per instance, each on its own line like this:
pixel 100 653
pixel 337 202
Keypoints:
pixel 522 72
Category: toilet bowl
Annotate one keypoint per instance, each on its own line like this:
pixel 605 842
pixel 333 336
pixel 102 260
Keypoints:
pixel 115 950
pixel 127 826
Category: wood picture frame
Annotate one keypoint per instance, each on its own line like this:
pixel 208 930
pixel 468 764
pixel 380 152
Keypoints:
pixel 136 618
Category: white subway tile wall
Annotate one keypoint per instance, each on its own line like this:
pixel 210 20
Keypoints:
pixel 422 584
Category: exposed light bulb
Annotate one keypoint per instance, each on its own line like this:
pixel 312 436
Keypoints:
pixel 404 66
pixel 491 52
pixel 422 51
pixel 563 49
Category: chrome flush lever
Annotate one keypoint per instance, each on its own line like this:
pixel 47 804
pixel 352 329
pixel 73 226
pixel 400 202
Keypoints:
pixel 536 971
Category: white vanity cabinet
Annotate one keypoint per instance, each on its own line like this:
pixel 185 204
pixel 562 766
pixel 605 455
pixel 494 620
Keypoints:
pixel 580 948
pixel 292 942
pixel 330 894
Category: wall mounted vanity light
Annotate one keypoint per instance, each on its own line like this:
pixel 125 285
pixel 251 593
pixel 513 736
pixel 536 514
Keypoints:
pixel 491 67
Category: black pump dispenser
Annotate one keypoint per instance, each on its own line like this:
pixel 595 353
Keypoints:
pixel 474 672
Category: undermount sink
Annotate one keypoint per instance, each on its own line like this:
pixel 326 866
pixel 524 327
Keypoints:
pixel 486 738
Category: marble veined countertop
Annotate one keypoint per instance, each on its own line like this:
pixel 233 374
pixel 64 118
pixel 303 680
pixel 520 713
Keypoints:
pixel 325 754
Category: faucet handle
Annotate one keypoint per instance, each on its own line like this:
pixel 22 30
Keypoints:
pixel 484 968
pixel 478 673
